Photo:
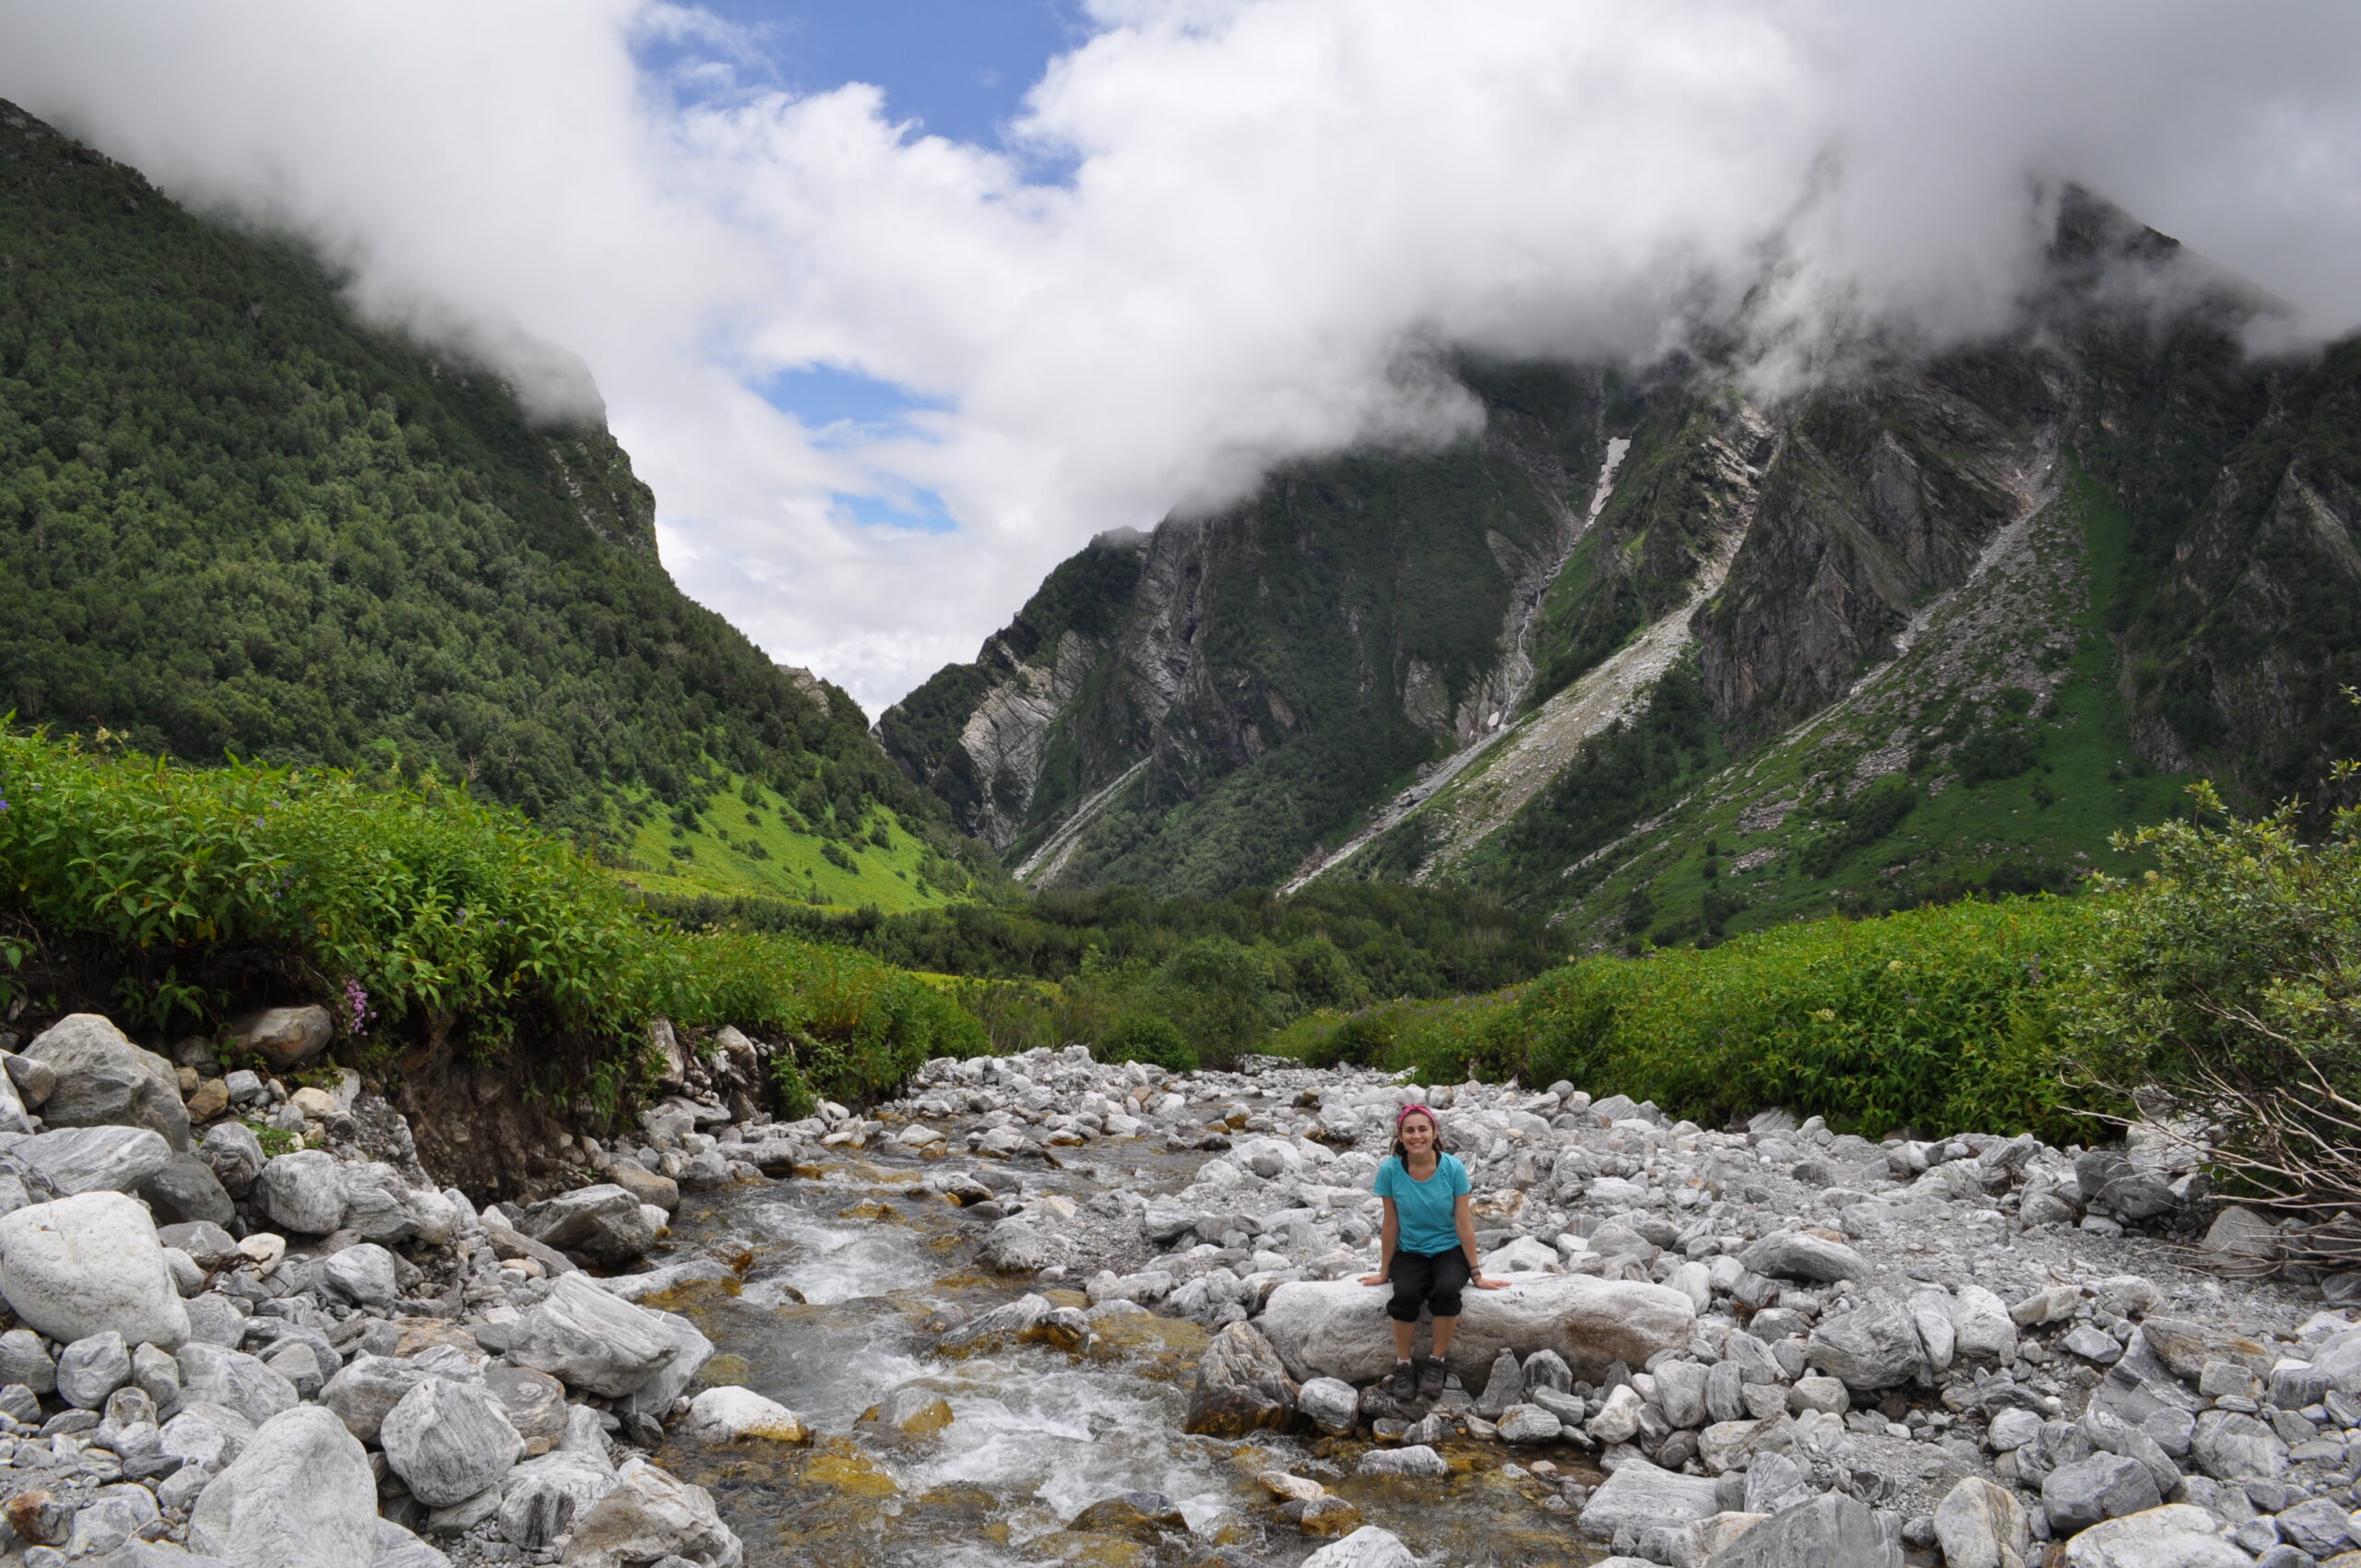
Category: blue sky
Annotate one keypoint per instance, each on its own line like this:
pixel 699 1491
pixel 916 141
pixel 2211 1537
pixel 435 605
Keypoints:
pixel 959 68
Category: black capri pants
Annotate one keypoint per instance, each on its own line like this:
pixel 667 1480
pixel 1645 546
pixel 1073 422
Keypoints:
pixel 1432 1280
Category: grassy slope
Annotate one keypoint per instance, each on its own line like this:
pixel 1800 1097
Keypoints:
pixel 1998 834
pixel 722 859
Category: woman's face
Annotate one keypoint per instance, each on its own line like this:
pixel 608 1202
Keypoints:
pixel 1418 1133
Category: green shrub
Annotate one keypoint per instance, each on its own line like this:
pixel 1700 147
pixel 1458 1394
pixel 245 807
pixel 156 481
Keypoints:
pixel 422 911
pixel 1991 755
pixel 1942 1020
pixel 1144 1037
pixel 2229 981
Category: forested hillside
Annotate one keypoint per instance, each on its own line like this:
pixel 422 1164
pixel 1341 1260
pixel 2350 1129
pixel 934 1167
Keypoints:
pixel 233 519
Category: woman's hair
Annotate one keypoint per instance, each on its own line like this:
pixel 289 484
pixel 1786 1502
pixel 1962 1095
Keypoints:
pixel 1432 1121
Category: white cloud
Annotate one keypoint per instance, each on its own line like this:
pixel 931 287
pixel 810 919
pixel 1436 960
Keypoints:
pixel 1272 207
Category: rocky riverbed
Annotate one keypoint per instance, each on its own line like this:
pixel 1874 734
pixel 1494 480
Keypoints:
pixel 1046 1310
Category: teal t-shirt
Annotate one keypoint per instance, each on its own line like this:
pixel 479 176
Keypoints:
pixel 1424 1208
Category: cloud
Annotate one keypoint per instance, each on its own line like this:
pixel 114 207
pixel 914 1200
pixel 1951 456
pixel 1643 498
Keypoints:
pixel 1265 217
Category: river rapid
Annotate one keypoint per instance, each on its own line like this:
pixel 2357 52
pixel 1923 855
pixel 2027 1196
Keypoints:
pixel 850 1272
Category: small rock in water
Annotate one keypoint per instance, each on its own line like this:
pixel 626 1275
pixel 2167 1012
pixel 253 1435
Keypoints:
pixel 1416 1460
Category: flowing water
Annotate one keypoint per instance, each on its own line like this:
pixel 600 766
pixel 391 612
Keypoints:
pixel 846 1270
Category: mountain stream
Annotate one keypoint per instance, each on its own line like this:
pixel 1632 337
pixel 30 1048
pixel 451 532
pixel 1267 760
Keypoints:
pixel 847 1266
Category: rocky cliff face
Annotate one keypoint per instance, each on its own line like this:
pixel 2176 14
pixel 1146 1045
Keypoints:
pixel 2108 540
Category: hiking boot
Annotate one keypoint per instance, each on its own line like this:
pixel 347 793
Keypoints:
pixel 1433 1378
pixel 1402 1383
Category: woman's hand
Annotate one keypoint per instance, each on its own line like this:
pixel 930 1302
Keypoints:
pixel 1372 1280
pixel 1481 1283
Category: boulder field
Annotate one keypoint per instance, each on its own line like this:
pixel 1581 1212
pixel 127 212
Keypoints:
pixel 259 1333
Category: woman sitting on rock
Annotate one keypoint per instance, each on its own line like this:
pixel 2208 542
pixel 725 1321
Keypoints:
pixel 1429 1248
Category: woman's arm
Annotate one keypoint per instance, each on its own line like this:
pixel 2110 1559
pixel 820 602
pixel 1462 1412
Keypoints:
pixel 1465 1224
pixel 1388 1234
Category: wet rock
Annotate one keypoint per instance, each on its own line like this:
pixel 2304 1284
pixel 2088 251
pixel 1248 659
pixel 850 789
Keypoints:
pixel 361 1274
pixel 235 1154
pixel 1638 1496
pixel 284 1037
pixel 644 1185
pixel 2105 1486
pixel 1368 1547
pixel 2178 1535
pixel 589 1340
pixel 541 1498
pixel 911 1410
pixel 1016 1245
pixel 603 1224
pixel 1833 1531
pixel 95 1159
pixel 300 1496
pixel 1529 1424
pixel 1330 1404
pixel 651 1400
pixel 1241 1387
pixel 88 1370
pixel 1874 1345
pixel 650 1514
pixel 187 1190
pixel 734 1415
pixel 1416 1460
pixel 1142 1515
pixel 1338 1328
pixel 302 1191
pixel 449 1441
pixel 1503 1386
pixel 234 1380
pixel 1800 1255
pixel 103 1080
pixel 91 1264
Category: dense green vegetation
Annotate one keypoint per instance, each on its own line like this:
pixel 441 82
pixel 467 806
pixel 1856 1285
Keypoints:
pixel 236 520
pixel 172 897
pixel 2227 985
pixel 1123 968
pixel 1942 1020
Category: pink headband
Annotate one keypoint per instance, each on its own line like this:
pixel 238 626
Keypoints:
pixel 1407 1112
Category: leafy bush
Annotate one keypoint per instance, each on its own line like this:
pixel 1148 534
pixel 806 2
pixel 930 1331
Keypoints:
pixel 193 892
pixel 1942 1020
pixel 1990 756
pixel 2228 981
pixel 1144 1037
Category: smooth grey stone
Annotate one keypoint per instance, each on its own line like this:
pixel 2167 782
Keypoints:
pixel 85 1264
pixel 361 1274
pixel 1833 1531
pixel 449 1441
pixel 234 1380
pixel 1791 1254
pixel 602 1223
pixel 304 1192
pixel 103 1080
pixel 1331 1404
pixel 590 1341
pixel 186 1190
pixel 2229 1446
pixel 94 1160
pixel 302 1492
pixel 366 1392
pixel 1639 1495
pixel 540 1499
pixel 1417 1461
pixel 88 1370
pixel 24 1359
pixel 204 1240
pixel 2105 1486
pixel 1874 1345
pixel 234 1153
